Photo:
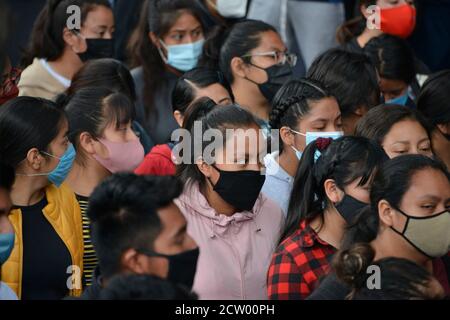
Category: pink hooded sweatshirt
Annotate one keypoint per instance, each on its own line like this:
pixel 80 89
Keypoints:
pixel 235 251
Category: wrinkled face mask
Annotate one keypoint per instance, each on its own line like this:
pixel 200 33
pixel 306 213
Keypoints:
pixel 349 208
pixel 428 235
pixel 398 21
pixel 96 48
pixel 123 156
pixel 240 189
pixel 183 57
pixel 277 76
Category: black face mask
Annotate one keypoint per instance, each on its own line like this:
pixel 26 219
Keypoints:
pixel 97 49
pixel 239 188
pixel 277 76
pixel 349 208
pixel 182 266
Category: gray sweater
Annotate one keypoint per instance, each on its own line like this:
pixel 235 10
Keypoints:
pixel 161 122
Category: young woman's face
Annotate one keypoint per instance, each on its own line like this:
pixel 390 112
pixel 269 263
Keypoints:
pixel 99 24
pixel 324 116
pixel 407 137
pixel 270 42
pixel 242 151
pixel 392 89
pixel 5 208
pixel 122 134
pixel 428 194
pixel 186 29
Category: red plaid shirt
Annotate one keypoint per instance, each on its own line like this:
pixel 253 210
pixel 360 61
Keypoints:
pixel 298 264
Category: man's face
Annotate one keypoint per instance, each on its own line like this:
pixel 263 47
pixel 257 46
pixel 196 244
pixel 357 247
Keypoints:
pixel 171 240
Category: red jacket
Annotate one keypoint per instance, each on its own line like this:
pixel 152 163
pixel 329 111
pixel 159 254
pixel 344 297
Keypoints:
pixel 158 162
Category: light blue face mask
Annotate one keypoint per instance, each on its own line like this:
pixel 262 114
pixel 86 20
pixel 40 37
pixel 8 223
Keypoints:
pixel 59 174
pixel 298 153
pixel 183 57
pixel 399 100
pixel 313 136
pixel 6 246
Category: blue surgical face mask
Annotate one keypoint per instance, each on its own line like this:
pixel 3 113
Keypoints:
pixel 183 57
pixel 59 174
pixel 399 100
pixel 313 136
pixel 297 152
pixel 6 246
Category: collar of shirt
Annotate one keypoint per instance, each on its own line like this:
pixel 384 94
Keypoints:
pixel 308 237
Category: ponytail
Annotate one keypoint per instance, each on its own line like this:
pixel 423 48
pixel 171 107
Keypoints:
pixel 351 266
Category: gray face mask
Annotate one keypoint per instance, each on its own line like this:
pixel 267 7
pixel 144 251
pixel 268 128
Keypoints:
pixel 429 235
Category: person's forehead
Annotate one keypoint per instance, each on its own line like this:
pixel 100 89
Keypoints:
pixel 271 41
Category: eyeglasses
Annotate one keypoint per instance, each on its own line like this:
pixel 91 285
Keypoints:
pixel 279 56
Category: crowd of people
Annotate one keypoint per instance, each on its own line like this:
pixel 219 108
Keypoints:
pixel 236 151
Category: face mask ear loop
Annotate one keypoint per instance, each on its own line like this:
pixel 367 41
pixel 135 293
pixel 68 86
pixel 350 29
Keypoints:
pixel 161 53
pixel 407 221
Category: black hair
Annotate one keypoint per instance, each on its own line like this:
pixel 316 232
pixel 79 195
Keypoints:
pixel 157 16
pixel 401 279
pixel 184 92
pixel 220 118
pixel 377 123
pixel 144 287
pixel 351 78
pixel 391 181
pixel 433 101
pixel 92 109
pixel 7 176
pixel 123 215
pixel 224 44
pixel 27 123
pixel 108 73
pixel 344 160
pixel 5 25
pixel 293 101
pixel 393 58
pixel 46 39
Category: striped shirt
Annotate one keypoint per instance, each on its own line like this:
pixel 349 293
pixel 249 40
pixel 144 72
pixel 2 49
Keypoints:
pixel 90 260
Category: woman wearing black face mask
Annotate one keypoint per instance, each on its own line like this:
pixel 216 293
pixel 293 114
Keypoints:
pixel 330 188
pixel 57 51
pixel 235 226
pixel 254 60
pixel 408 218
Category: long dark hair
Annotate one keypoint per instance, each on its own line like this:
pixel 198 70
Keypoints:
pixel 433 101
pixel 46 39
pixel 377 123
pixel 391 182
pixel 27 123
pixel 157 16
pixel 345 160
pixel 211 117
pixel 184 92
pixel 393 58
pixel 293 101
pixel 224 44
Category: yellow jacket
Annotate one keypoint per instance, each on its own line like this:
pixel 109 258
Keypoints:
pixel 63 213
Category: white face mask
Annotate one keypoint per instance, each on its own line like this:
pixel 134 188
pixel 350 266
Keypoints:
pixel 231 8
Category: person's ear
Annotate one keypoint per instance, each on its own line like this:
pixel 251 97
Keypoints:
pixel 360 111
pixel 443 128
pixel 178 117
pixel 238 67
pixel 34 159
pixel 131 261
pixel 87 143
pixel 386 213
pixel 334 194
pixel 74 41
pixel 287 136
pixel 364 12
pixel 204 168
